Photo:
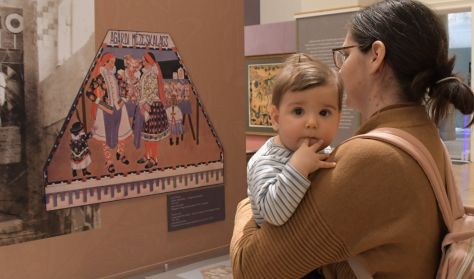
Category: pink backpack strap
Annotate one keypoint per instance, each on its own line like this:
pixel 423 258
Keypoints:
pixel 446 193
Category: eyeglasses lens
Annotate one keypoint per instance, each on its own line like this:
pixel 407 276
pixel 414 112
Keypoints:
pixel 338 59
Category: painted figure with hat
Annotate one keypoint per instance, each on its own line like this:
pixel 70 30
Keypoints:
pixel 80 153
pixel 131 87
pixel 111 124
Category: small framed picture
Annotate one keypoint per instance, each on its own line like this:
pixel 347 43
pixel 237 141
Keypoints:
pixel 260 73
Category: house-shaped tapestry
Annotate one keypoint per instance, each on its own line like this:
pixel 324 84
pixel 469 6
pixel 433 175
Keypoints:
pixel 137 127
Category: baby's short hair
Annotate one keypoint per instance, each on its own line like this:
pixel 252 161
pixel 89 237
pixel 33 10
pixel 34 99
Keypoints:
pixel 301 72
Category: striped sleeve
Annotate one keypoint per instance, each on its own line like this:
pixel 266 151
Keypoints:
pixel 276 190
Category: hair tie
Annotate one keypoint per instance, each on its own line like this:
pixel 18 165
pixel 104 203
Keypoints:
pixel 448 79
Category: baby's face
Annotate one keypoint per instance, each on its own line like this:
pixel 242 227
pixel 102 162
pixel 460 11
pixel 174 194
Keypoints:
pixel 309 114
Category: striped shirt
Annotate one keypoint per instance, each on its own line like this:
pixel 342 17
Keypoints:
pixel 275 187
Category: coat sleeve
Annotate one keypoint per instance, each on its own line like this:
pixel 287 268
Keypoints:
pixel 339 217
pixel 271 251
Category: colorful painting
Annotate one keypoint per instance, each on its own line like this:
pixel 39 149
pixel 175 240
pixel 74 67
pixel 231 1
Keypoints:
pixel 260 81
pixel 137 127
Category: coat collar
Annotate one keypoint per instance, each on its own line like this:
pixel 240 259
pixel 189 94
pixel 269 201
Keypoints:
pixel 397 116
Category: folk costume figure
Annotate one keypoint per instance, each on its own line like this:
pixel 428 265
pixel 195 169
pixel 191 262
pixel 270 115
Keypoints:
pixel 152 96
pixel 131 88
pixel 185 105
pixel 111 125
pixel 175 118
pixel 80 153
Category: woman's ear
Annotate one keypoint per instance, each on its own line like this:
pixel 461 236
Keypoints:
pixel 377 56
pixel 274 115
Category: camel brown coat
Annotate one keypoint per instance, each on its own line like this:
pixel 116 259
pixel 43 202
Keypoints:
pixel 376 203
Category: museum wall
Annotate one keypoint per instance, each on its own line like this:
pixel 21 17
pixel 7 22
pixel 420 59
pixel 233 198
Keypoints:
pixel 278 10
pixel 281 10
pixel 133 236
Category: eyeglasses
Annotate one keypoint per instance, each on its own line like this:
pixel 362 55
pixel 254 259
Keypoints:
pixel 339 56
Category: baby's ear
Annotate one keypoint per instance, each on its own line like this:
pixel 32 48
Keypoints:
pixel 274 115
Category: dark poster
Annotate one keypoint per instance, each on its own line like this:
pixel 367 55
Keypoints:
pixel 29 47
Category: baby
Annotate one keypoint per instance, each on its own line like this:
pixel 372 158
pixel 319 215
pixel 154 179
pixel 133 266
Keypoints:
pixel 305 112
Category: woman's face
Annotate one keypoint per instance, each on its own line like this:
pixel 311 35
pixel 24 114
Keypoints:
pixel 110 64
pixel 354 73
pixel 146 64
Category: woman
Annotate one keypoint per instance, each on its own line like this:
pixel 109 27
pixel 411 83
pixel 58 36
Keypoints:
pixel 156 126
pixel 376 204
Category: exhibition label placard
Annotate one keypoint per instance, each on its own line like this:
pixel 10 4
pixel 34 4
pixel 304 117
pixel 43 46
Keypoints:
pixel 196 207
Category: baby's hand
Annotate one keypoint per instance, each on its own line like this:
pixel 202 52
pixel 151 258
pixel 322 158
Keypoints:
pixel 306 159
